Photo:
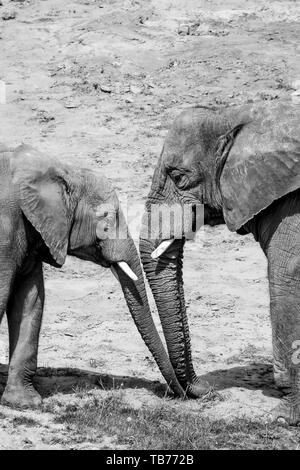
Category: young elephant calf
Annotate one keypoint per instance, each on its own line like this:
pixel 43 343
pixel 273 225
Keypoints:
pixel 49 210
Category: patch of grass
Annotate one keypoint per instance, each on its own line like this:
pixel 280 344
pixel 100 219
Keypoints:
pixel 165 427
pixel 25 421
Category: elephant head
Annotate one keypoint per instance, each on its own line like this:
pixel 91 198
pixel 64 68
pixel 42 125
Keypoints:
pixel 235 162
pixel 77 212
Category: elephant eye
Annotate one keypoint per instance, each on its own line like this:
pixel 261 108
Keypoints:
pixel 179 179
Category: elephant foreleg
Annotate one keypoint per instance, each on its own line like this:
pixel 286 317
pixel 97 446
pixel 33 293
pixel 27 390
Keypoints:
pixel 6 280
pixel 5 288
pixel 24 314
pixel 283 249
pixel 285 315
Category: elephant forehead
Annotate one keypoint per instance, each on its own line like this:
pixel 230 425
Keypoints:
pixel 98 187
pixel 184 154
pixel 105 190
pixel 173 159
pixel 193 137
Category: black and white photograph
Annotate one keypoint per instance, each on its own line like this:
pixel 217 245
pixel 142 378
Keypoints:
pixel 149 227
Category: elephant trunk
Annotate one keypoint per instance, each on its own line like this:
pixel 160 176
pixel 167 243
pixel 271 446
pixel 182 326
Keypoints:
pixel 166 282
pixel 137 301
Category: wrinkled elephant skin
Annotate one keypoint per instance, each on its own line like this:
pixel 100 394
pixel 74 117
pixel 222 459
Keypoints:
pixel 48 211
pixel 243 164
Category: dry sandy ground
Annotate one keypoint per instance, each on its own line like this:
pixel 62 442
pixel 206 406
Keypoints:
pixel 97 83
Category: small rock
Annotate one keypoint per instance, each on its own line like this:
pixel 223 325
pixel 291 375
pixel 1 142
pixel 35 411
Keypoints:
pixel 8 15
pixel 105 88
pixel 184 29
pixel 93 363
pixel 72 104
pixel 43 116
pixel 172 63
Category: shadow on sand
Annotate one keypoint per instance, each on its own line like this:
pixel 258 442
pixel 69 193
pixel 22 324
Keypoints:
pixel 49 381
pixel 255 376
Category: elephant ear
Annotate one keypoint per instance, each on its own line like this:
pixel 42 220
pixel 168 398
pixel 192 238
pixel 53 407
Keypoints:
pixel 224 144
pixel 262 165
pixel 43 190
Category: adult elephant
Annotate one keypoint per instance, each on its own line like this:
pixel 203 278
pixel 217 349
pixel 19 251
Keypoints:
pixel 243 164
pixel 48 211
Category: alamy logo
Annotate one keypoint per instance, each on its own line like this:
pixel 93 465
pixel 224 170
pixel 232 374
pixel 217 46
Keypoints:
pixel 2 92
pixel 158 222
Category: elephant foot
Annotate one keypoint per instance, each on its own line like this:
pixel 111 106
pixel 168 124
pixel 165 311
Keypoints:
pixel 20 396
pixel 286 413
pixel 198 388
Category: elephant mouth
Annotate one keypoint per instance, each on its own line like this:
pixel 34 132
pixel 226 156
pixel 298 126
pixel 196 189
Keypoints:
pixel 212 217
pixel 96 255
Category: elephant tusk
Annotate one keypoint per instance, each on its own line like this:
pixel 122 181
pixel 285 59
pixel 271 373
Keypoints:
pixel 162 248
pixel 127 270
pixel 113 270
